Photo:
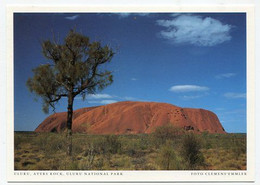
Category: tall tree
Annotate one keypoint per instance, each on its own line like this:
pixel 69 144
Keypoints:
pixel 74 70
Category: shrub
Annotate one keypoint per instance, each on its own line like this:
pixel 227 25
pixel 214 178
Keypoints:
pixel 191 151
pixel 167 158
pixel 112 144
pixel 18 140
pixel 206 139
pixel 41 141
pixel 50 143
pixel 166 132
pixel 102 145
pixel 56 143
pixel 88 161
pixel 131 149
pixel 144 142
pixel 238 147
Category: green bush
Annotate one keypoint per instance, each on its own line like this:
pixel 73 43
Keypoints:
pixel 18 140
pixel 41 141
pixel 144 142
pixel 206 140
pixel 167 158
pixel 166 132
pixel 238 147
pixel 56 143
pixel 190 151
pixel 97 143
pixel 50 143
pixel 112 144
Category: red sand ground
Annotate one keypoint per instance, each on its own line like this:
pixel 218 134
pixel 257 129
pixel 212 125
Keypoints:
pixel 133 118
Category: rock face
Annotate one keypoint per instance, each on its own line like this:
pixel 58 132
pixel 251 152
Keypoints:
pixel 133 118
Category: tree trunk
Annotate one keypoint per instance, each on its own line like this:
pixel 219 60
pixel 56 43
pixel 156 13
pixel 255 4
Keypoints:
pixel 69 124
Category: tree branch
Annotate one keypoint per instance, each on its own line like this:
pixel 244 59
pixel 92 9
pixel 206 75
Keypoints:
pixel 64 85
pixel 56 99
pixel 73 54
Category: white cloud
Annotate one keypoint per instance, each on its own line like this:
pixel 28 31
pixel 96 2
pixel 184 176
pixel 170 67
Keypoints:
pixel 129 98
pixel 235 95
pixel 106 98
pixel 103 101
pixel 133 79
pixel 107 101
pixel 195 30
pixel 72 17
pixel 225 75
pixel 185 97
pixel 188 88
pixel 98 96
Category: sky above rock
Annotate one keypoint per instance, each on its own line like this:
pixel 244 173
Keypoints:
pixel 195 60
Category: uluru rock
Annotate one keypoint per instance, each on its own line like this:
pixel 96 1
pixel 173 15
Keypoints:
pixel 133 118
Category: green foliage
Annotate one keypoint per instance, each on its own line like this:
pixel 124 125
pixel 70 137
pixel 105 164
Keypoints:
pixel 131 147
pixel 190 151
pixel 205 140
pixel 167 158
pixel 112 144
pixel 41 141
pixel 136 146
pixel 74 69
pixel 50 143
pixel 166 132
pixel 238 147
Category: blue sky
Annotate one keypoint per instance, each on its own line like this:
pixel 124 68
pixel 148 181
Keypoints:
pixel 186 59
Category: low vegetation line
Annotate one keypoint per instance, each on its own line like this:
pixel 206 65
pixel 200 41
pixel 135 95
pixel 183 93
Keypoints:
pixel 167 148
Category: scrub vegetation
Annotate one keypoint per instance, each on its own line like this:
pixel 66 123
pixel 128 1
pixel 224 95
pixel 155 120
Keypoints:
pixel 178 150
